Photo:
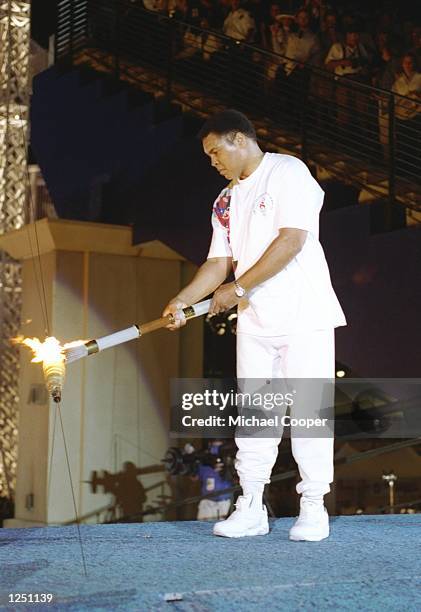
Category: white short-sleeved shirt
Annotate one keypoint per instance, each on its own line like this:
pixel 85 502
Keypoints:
pixel 339 51
pixel 238 24
pixel 247 217
pixel 405 86
pixel 301 49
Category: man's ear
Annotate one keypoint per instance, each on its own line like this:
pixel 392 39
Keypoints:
pixel 240 139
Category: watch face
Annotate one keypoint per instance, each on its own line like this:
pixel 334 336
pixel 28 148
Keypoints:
pixel 239 291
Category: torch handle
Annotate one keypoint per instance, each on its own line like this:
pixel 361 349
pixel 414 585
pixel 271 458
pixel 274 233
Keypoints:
pixel 190 312
pixel 145 328
pixel 131 333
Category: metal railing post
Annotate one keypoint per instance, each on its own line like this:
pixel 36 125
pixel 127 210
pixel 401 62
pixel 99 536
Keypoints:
pixel 390 202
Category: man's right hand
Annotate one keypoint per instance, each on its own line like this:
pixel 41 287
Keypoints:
pixel 175 307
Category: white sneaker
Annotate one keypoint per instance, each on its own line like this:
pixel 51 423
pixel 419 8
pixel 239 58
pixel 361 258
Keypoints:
pixel 313 523
pixel 248 519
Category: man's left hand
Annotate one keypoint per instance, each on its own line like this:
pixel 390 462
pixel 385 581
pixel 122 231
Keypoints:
pixel 223 299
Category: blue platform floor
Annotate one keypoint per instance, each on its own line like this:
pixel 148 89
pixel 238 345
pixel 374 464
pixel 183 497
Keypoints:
pixel 368 563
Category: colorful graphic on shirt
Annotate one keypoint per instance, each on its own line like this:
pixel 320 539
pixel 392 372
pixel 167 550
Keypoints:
pixel 221 209
pixel 263 204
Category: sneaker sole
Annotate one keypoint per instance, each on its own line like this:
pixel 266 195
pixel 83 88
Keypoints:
pixel 309 538
pixel 244 534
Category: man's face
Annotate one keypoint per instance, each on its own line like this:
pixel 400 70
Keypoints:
pixel 416 37
pixel 386 54
pixel 274 10
pixel 225 153
pixel 331 21
pixel 408 63
pixel 352 39
pixel 235 4
pixel 302 20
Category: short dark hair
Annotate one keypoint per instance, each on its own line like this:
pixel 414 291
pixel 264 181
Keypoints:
pixel 352 28
pixel 412 55
pixel 227 122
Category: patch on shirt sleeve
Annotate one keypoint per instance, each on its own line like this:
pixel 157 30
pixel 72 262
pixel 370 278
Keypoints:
pixel 221 209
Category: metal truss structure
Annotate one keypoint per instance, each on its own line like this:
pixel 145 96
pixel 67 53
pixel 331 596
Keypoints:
pixel 14 109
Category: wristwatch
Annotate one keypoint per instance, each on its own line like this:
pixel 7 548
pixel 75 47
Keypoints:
pixel 239 290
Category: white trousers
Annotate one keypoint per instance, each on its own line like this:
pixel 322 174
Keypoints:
pixel 304 355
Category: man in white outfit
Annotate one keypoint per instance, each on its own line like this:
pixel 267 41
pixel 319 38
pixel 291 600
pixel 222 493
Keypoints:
pixel 266 227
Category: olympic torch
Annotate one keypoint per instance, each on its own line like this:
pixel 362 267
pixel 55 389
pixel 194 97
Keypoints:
pixel 91 347
pixel 54 356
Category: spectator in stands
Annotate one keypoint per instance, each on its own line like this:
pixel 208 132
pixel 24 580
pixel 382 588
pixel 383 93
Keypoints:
pixel 359 23
pixel 157 6
pixel 386 39
pixel 381 40
pixel 275 29
pixel 211 14
pixel 408 118
pixel 329 33
pixel 350 60
pixel 408 83
pixel 271 18
pixel 244 81
pixel 239 24
pixel 274 34
pixel 302 46
pixel 385 64
pixel 388 21
pixel 181 10
pixel 188 41
pixel 322 83
pixel 315 9
pixel 257 10
pixel 302 49
pixel 416 45
pixel 213 19
pixel 383 77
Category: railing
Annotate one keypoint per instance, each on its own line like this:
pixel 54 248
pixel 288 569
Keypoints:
pixel 367 136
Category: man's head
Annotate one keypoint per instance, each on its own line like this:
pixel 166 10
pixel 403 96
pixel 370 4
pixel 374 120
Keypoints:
pixel 229 139
pixel 331 20
pixel 408 63
pixel 302 19
pixel 274 10
pixel 352 37
pixel 182 5
pixel 416 37
pixel 387 54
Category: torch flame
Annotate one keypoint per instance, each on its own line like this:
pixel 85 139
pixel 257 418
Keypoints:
pixel 51 354
pixel 48 351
